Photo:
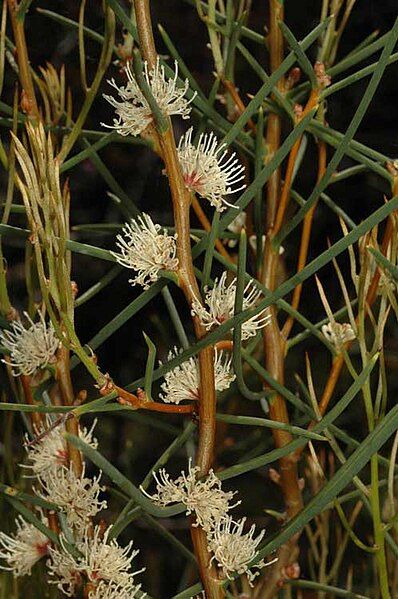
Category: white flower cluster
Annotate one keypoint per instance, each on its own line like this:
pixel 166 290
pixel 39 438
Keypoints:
pixel 145 249
pixel 102 566
pixel 207 168
pixel 133 111
pixel 338 333
pixel 31 347
pixel 26 547
pixel 204 498
pixel 232 548
pixel 220 301
pixel 182 383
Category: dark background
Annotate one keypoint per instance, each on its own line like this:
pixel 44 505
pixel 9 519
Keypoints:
pixel 133 445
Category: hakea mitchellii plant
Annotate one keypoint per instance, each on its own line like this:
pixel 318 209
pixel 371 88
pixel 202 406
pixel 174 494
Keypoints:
pixel 257 141
pixel 49 452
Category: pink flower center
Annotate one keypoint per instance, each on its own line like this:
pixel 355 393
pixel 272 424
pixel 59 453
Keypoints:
pixel 42 548
pixel 193 181
pixel 62 456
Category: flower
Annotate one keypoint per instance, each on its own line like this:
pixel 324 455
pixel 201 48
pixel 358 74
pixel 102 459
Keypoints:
pixel 183 381
pixel 338 333
pixel 104 564
pixel 110 590
pixel 236 227
pixel 133 111
pixel 220 302
pixel 76 496
pixel 205 497
pixel 208 169
pixel 30 348
pixel 22 550
pixel 232 549
pixel 145 249
pixel 49 451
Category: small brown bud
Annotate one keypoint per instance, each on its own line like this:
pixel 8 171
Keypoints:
pixel 298 111
pixel 12 314
pixel 323 78
pixel 392 167
pixel 293 78
pixel 26 103
pixel 292 571
pixel 81 396
pixel 75 288
pixel 274 476
pixel 107 386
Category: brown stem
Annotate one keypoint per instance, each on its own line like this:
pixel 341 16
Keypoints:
pixel 136 402
pixel 273 344
pixel 27 389
pixel 188 283
pixel 287 184
pixel 233 92
pixel 274 122
pixel 25 76
pixel 305 241
pixel 272 339
pixel 204 221
pixel 68 398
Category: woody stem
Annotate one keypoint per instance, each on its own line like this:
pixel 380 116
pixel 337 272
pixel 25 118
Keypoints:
pixel 188 284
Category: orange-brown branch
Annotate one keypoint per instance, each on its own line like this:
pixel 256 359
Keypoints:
pixel 204 221
pixel 305 241
pixel 272 340
pixel 27 389
pixel 285 195
pixel 189 285
pixel 25 76
pixel 338 362
pixel 233 92
pixel 140 403
pixel 68 397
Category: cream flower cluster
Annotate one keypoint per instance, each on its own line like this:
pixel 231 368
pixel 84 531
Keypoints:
pixel 232 549
pixel 146 249
pixel 51 453
pixel 24 548
pixel 102 566
pixel 338 333
pixel 220 304
pixel 208 170
pixel 204 498
pixel 207 167
pixel 31 347
pixel 183 382
pixel 133 111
